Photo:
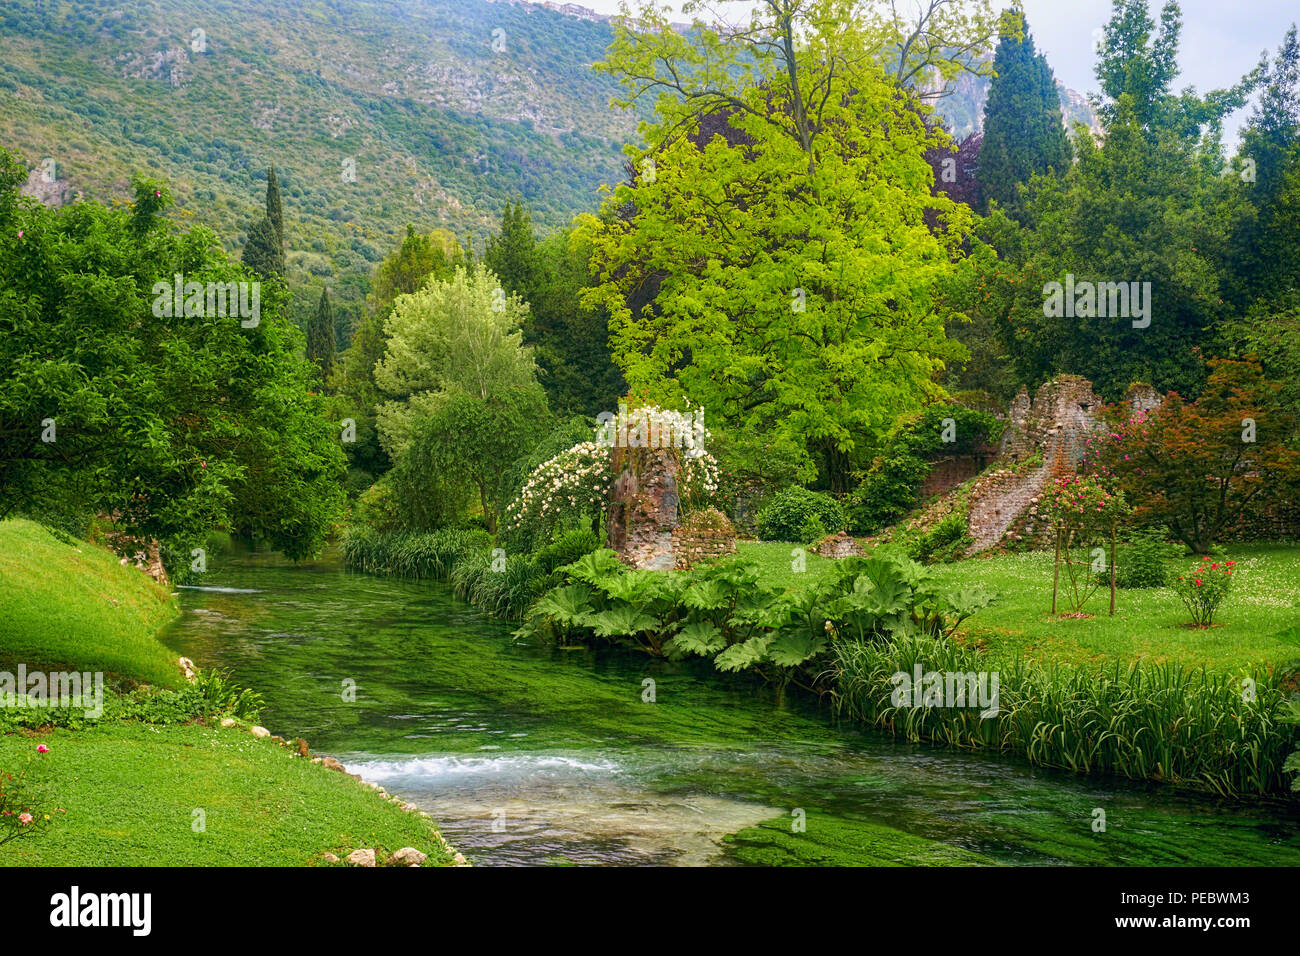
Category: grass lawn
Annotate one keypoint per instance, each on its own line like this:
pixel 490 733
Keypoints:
pixel 130 791
pixel 74 607
pixel 1260 620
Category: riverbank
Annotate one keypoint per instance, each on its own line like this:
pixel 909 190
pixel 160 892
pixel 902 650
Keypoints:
pixel 176 788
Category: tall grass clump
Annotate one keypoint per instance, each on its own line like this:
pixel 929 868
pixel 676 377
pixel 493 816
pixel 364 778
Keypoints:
pixel 423 556
pixel 1143 721
pixel 461 557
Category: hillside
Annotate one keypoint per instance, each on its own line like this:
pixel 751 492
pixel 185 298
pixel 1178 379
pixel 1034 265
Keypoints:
pixel 375 112
pixel 440 118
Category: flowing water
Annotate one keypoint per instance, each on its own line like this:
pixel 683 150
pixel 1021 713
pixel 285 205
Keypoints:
pixel 544 755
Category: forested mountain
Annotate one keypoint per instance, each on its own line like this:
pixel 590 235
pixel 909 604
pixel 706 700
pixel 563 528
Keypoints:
pixel 375 112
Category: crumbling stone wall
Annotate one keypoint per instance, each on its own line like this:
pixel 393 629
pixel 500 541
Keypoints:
pixel 1057 425
pixel 838 546
pixel 644 507
pixel 702 537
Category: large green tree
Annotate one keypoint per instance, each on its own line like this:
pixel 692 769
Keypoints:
pixel 796 287
pixel 1023 132
pixel 170 421
pixel 463 333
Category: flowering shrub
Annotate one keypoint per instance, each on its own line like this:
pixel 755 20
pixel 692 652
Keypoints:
pixel 1083 512
pixel 565 489
pixel 1203 588
pixel 25 810
pixel 574 486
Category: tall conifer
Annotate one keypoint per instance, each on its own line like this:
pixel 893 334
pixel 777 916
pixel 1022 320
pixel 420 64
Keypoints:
pixel 1023 132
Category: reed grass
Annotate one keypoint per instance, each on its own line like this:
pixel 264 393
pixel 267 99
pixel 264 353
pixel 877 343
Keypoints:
pixel 1140 720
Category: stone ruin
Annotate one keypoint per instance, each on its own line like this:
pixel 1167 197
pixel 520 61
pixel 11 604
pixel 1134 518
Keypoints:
pixel 645 526
pixel 644 507
pixel 839 545
pixel 1056 425
pixel 1045 439
pixel 702 537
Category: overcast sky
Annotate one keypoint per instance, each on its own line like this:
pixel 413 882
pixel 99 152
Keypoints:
pixel 1222 39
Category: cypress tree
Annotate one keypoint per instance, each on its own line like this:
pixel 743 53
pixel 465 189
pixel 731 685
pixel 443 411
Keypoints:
pixel 274 212
pixel 320 336
pixel 262 253
pixel 512 253
pixel 1023 132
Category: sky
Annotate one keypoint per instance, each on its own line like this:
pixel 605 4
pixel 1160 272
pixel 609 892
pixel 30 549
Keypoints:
pixel 1222 39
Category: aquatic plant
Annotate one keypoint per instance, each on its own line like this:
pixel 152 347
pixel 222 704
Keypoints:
pixel 1143 721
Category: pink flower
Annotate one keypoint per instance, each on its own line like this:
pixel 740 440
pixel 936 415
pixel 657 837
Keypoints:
pixel 24 818
pixel 20 233
pixel 42 749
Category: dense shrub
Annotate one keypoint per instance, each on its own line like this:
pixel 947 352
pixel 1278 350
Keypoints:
pixel 1142 561
pixel 798 514
pixel 948 540
pixel 886 493
pixel 893 485
pixel 567 549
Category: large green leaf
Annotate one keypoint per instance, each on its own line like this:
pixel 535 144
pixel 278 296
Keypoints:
pixel 791 648
pixel 567 605
pixel 740 656
pixel 700 637
pixel 623 620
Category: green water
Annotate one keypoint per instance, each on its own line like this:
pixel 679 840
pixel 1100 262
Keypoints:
pixel 541 755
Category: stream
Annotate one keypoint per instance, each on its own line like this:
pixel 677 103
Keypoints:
pixel 530 755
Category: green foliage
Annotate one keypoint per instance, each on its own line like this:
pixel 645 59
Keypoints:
pixel 721 611
pixel 710 257
pixel 947 541
pixel 1143 721
pixel 567 548
pixel 892 487
pixel 462 333
pixel 174 424
pixel 1146 206
pixel 467 440
pixel 1023 133
pixel 1142 562
pixel 796 513
pixel 320 337
pixel 262 253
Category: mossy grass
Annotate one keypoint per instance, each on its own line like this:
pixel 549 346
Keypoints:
pixel 69 605
pixel 133 794
pixel 839 841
